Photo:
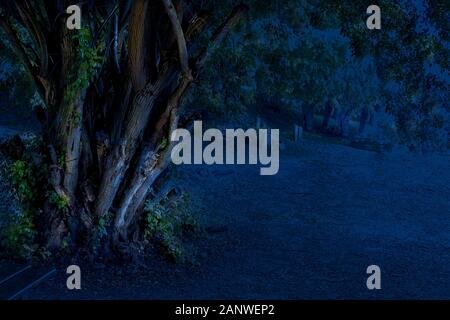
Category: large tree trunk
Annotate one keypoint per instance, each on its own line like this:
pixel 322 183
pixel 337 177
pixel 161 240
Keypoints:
pixel 109 130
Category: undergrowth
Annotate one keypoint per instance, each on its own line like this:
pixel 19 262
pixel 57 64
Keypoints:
pixel 169 222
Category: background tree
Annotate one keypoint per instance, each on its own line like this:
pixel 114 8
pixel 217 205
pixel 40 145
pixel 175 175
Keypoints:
pixel 296 49
pixel 358 90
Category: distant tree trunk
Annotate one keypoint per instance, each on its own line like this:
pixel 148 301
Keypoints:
pixel 344 122
pixel 109 111
pixel 364 117
pixel 370 120
pixel 327 115
pixel 308 117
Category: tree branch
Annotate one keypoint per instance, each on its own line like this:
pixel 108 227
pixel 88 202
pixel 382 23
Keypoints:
pixel 152 160
pixel 17 45
pixel 36 33
pixel 233 18
pixel 136 47
pixel 20 50
pixel 116 43
pixel 113 13
pixel 197 24
pixel 179 34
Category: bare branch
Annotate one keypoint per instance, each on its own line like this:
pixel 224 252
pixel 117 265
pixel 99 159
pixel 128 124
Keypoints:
pixel 37 34
pixel 16 44
pixel 113 13
pixel 116 43
pixel 19 49
pixel 197 24
pixel 179 34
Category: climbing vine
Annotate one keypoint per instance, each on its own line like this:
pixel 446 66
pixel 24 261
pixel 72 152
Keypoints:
pixel 87 63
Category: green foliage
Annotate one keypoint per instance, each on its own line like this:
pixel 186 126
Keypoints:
pixel 228 86
pixel 61 203
pixel 100 231
pixel 302 53
pixel 164 144
pixel 62 160
pixel 32 189
pixel 87 62
pixel 102 225
pixel 24 181
pixel 18 237
pixel 76 119
pixel 357 85
pixel 166 224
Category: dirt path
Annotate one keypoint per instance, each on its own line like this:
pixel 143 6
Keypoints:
pixel 307 233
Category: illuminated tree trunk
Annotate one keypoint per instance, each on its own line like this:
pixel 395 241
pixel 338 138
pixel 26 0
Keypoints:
pixel 109 109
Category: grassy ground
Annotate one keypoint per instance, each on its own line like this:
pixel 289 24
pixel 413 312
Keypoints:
pixel 308 232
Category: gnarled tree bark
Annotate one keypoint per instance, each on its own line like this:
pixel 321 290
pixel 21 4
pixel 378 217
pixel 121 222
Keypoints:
pixel 111 133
